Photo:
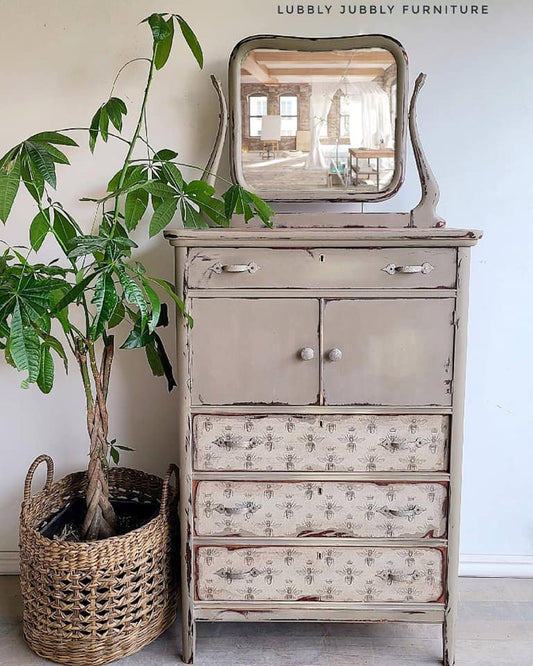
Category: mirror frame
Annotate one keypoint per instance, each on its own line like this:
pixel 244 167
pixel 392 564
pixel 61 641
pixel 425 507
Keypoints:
pixel 317 44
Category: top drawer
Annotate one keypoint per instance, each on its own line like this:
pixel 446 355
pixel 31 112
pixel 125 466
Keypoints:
pixel 384 268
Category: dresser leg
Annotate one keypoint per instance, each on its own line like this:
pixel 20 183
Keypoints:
pixel 448 639
pixel 188 639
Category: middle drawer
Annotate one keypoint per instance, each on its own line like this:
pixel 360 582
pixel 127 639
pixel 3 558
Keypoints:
pixel 309 508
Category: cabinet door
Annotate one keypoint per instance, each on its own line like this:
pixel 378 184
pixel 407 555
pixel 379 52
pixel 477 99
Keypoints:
pixel 393 351
pixel 247 351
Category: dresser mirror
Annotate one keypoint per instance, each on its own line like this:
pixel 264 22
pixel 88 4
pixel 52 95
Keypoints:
pixel 319 118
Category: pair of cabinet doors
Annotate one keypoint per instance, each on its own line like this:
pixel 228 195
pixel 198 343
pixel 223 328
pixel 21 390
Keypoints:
pixel 393 351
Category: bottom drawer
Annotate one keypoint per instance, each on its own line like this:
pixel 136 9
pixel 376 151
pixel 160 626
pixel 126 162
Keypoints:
pixel 280 573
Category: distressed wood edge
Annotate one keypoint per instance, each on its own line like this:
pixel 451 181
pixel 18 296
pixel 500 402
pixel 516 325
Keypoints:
pixel 322 542
pixel 387 410
pixel 456 456
pixel 425 213
pixel 317 292
pixel 323 476
pixel 325 237
pixel 309 612
pixel 185 466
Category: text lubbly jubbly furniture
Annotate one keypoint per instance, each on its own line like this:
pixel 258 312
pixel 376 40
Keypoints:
pixel 322 384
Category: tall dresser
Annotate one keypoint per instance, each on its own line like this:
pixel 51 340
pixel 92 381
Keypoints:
pixel 321 396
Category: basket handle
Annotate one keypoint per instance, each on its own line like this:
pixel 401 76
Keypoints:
pixel 29 476
pixel 172 469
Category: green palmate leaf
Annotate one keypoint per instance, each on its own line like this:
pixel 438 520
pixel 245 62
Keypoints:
pixel 53 137
pixel 6 162
pixel 41 161
pixel 172 175
pixel 115 456
pixel 64 230
pixel 162 47
pixel 45 380
pixel 156 306
pixel 154 361
pixel 138 337
pixel 199 187
pixel 93 130
pixel 33 180
pixel 232 200
pixel 165 362
pixel 24 347
pixel 159 26
pixel 191 40
pixel 171 291
pixel 105 298
pixel 135 173
pixel 40 226
pixel 240 201
pixel 135 207
pixel 262 209
pixel 133 294
pixel 212 207
pixel 53 343
pixel 163 216
pixel 164 155
pixel 116 108
pixel 9 185
pixel 192 218
pixel 54 153
pixel 104 123
pixel 159 189
pixel 72 294
pixel 117 316
pixel 84 245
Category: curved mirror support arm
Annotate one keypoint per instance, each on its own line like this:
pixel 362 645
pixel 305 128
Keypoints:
pixel 425 214
pixel 211 168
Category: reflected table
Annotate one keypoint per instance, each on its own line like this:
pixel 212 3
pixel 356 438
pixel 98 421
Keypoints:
pixel 356 154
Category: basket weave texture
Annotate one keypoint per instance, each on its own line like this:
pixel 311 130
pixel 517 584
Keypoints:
pixel 88 603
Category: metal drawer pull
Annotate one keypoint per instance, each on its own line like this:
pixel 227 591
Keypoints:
pixel 307 354
pixel 424 268
pixel 335 355
pixel 247 508
pixel 235 268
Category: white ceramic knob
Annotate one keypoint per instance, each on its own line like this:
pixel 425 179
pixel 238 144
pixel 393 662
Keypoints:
pixel 307 354
pixel 335 354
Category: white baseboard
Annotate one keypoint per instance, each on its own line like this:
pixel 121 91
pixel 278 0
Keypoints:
pixel 496 566
pixel 482 566
pixel 9 562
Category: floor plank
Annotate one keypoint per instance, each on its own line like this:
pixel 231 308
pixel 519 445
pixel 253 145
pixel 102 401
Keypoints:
pixel 495 629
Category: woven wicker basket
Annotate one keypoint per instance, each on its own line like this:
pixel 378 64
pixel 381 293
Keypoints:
pixel 94 602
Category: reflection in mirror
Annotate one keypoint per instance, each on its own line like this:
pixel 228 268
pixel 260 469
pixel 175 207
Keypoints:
pixel 318 122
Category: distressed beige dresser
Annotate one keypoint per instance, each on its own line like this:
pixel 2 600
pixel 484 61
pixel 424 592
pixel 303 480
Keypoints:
pixel 320 424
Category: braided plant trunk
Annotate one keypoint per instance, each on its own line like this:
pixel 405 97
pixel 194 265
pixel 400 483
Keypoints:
pixel 100 521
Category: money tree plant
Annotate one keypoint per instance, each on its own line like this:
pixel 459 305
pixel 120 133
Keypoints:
pixel 67 308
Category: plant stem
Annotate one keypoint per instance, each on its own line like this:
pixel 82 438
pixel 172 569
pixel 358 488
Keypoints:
pixel 135 136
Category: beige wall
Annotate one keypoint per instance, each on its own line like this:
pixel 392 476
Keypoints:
pixel 57 62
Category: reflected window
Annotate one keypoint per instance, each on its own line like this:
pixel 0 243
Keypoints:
pixel 288 108
pixel 258 109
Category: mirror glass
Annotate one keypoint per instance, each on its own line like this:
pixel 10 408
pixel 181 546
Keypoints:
pixel 318 118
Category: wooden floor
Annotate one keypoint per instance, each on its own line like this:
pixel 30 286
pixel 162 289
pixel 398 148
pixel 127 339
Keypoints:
pixel 495 629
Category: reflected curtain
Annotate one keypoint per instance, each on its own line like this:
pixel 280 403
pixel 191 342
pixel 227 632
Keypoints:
pixel 319 106
pixel 370 121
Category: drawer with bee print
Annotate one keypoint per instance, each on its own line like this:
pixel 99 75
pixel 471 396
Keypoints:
pixel 306 509
pixel 281 574
pixel 329 443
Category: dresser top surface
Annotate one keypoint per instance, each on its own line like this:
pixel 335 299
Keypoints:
pixel 325 237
